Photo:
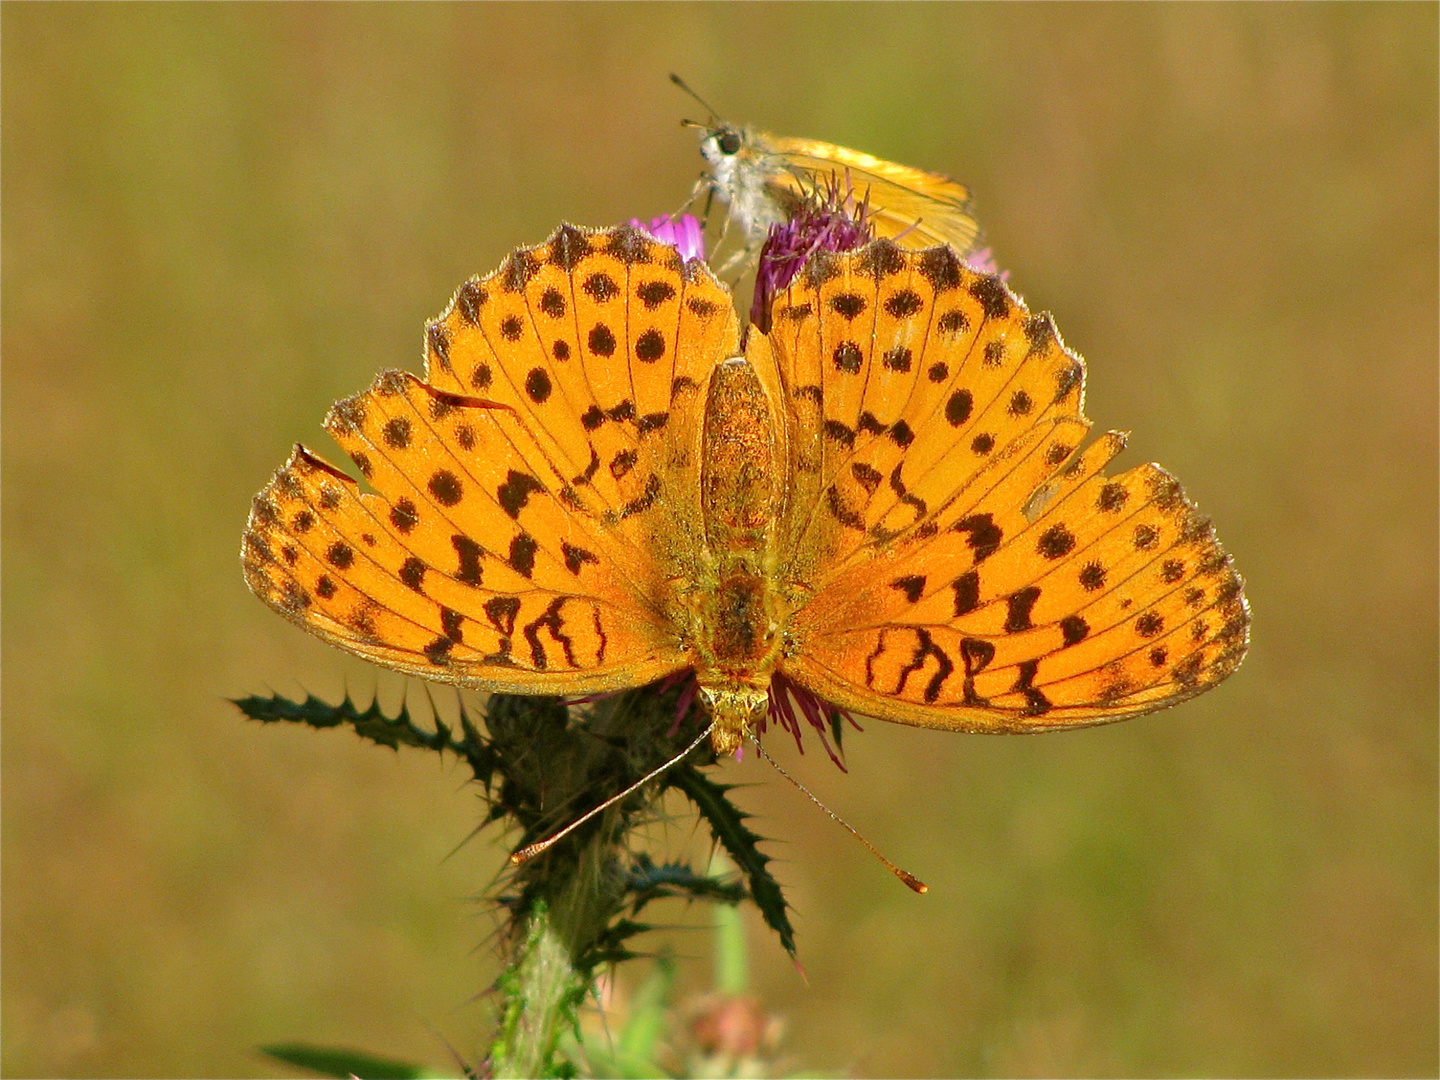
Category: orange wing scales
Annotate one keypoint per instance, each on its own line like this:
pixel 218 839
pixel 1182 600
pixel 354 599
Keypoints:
pixel 969 568
pixel 934 546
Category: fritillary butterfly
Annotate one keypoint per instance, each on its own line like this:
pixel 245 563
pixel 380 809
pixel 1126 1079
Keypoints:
pixel 883 500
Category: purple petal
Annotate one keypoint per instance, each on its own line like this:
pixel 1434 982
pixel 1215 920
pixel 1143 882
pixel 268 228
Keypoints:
pixel 682 233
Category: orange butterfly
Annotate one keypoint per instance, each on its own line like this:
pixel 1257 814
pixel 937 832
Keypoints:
pixel 884 501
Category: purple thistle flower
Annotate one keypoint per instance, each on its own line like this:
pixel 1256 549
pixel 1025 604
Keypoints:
pixel 983 262
pixel 682 233
pixel 829 218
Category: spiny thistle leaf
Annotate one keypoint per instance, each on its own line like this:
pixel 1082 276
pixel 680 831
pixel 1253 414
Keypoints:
pixel 372 723
pixel 609 946
pixel 727 823
pixel 648 881
pixel 341 1061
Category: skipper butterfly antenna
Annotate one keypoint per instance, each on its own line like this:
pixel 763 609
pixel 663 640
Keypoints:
pixel 683 85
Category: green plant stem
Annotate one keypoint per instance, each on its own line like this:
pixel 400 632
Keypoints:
pixel 543 988
pixel 571 895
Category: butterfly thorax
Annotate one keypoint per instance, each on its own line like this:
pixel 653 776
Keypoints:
pixel 738 613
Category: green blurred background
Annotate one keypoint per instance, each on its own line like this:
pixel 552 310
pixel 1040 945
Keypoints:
pixel 217 219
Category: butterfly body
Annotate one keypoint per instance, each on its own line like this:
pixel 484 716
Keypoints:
pixel 763 177
pixel 740 609
pixel 884 500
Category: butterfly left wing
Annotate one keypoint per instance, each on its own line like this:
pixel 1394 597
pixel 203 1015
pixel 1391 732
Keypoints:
pixel 970 569
pixel 508 537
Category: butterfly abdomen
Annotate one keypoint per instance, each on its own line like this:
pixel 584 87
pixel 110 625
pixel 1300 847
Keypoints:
pixel 742 489
pixel 736 614
pixel 740 484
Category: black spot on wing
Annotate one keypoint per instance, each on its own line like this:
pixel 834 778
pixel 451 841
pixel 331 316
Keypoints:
pixel 904 303
pixel 991 295
pixel 602 340
pixel 412 573
pixel 438 338
pixel 867 476
pixel 403 515
pixel 446 488
pixel 898 358
pixel 941 267
pixel 985 536
pixel 650 346
pixel 501 611
pixel 654 293
pixel 848 357
pixel 1017 617
pixel 575 557
pixel 522 554
pixel 1036 703
pixel 468 554
pixel 846 515
pixel 601 287
pixel 912 585
pixel 958 407
pixel 515 492
pixel 629 245
pixel 1074 629
pixel 840 433
pixel 568 247
pixel 967 592
pixel 1039 332
pixel 517 271
pixel 396 433
pixel 468 300
pixel 1056 542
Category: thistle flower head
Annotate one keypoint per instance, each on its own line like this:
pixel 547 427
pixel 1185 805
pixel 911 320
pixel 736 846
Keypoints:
pixel 830 218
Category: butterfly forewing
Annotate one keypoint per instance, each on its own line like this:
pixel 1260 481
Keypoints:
pixel 918 209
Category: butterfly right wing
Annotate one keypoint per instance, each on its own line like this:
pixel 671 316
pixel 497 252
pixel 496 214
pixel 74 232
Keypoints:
pixel 969 567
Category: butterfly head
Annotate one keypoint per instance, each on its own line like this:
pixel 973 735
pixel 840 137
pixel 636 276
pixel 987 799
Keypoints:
pixel 729 151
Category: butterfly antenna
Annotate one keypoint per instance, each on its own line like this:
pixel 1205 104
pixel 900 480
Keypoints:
pixel 904 875
pixel 529 851
pixel 683 85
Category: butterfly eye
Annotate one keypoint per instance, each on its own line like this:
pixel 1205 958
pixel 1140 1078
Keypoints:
pixel 729 141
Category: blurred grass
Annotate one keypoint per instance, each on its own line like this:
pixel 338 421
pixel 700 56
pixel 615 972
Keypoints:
pixel 217 219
